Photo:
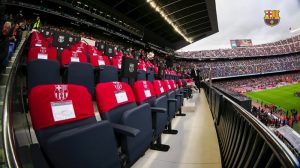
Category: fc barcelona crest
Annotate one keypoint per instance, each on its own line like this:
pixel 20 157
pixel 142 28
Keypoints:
pixel 61 92
pixel 272 17
pixel 61 39
pixel 131 67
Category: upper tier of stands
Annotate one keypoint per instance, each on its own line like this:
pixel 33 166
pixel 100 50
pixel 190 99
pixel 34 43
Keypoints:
pixel 290 45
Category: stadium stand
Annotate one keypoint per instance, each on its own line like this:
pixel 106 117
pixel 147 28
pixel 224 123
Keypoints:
pixel 286 46
pixel 64 70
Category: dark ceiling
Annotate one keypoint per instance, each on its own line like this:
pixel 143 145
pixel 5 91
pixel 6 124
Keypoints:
pixel 196 18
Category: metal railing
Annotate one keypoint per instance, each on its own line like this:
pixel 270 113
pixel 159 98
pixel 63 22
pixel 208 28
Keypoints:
pixel 245 141
pixel 9 145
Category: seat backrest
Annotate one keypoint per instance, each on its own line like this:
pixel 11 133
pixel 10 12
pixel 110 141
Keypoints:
pixel 41 72
pixel 48 53
pixel 53 105
pixel 158 87
pixel 180 84
pixel 108 74
pixel 173 84
pixel 82 74
pixel 141 75
pixel 64 120
pixel 117 62
pixel 116 103
pixel 150 75
pixel 68 56
pixel 99 60
pixel 142 66
pixel 143 91
pixel 167 86
pixel 113 98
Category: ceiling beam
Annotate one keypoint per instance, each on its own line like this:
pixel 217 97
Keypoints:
pixel 136 8
pixel 197 30
pixel 191 21
pixel 170 3
pixel 197 25
pixel 189 15
pixel 182 9
pixel 119 3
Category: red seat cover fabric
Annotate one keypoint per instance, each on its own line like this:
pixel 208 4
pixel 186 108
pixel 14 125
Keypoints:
pixel 142 66
pixel 66 56
pixel 34 52
pixel 117 62
pixel 141 88
pixel 180 84
pixel 40 98
pixel 167 86
pixel 94 59
pixel 106 95
pixel 173 84
pixel 158 87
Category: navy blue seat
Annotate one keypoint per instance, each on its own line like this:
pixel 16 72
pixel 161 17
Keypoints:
pixel 141 75
pixel 81 74
pixel 145 93
pixel 41 72
pixel 108 73
pixel 150 75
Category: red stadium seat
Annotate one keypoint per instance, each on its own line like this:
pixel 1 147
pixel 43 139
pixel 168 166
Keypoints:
pixel 117 104
pixel 64 121
pixel 48 53
pixel 99 60
pixel 117 62
pixel 68 56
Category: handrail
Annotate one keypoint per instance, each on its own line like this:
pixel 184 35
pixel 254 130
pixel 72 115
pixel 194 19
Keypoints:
pixel 8 134
pixel 285 155
pixel 234 125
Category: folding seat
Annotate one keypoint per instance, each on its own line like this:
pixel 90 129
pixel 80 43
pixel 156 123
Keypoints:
pixel 182 89
pixel 38 40
pixel 81 74
pixel 99 60
pixel 171 94
pixel 141 75
pixel 178 96
pixel 187 89
pixel 150 75
pixel 68 56
pixel 107 74
pixel 40 72
pixel 48 53
pixel 145 93
pixel 142 65
pixel 117 104
pixel 117 62
pixel 161 89
pixel 165 74
pixel 67 131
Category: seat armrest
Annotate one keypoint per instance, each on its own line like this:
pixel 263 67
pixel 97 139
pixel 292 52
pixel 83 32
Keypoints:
pixel 172 100
pixel 126 130
pixel 158 110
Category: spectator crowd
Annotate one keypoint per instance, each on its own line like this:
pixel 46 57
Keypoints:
pixel 290 45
